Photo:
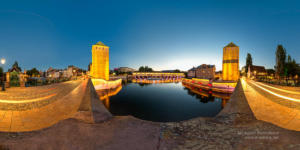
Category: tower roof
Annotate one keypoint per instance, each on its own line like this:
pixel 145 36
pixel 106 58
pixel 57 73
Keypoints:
pixel 100 43
pixel 231 44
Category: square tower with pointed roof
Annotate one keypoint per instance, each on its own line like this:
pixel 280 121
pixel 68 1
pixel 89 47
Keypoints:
pixel 231 71
pixel 100 61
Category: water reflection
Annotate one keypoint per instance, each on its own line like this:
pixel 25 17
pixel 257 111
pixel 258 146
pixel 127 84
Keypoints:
pixel 105 94
pixel 170 101
pixel 205 96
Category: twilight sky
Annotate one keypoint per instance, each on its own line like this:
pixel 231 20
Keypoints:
pixel 161 34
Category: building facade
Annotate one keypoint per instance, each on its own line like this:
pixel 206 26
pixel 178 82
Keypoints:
pixel 231 70
pixel 206 71
pixel 100 61
pixel 192 73
pixel 126 69
pixel 257 72
pixel 218 75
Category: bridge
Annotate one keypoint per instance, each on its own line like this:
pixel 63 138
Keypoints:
pixel 157 75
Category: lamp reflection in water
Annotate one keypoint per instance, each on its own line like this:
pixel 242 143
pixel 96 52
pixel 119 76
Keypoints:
pixel 106 93
pixel 206 96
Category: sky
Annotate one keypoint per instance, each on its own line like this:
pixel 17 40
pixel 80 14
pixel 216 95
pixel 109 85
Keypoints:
pixel 164 34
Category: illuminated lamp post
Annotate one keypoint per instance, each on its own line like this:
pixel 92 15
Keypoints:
pixel 75 74
pixel 3 84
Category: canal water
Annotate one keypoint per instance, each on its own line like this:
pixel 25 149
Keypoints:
pixel 162 102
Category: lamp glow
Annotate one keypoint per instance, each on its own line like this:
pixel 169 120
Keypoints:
pixel 3 61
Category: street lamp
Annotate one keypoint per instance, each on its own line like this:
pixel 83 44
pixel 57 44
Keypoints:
pixel 3 62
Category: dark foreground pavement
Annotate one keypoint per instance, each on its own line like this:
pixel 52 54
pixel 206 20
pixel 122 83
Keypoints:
pixel 117 133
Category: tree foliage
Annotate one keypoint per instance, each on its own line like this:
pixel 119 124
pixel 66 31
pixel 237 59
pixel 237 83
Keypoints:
pixel 14 79
pixel 145 69
pixel 177 71
pixel 285 65
pixel 270 71
pixel 280 61
pixel 248 61
pixel 33 72
pixel 292 67
pixel 289 59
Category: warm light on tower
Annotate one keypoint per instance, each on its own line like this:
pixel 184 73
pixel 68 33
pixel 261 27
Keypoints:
pixel 231 62
pixel 100 61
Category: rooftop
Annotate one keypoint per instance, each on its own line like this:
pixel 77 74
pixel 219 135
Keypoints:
pixel 231 44
pixel 100 43
pixel 206 66
pixel 257 68
pixel 193 69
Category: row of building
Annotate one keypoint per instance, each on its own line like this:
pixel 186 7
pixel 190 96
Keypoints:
pixel 205 71
pixel 69 72
pixel 230 68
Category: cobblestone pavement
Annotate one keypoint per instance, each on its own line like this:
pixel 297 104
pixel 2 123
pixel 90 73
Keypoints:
pixel 50 104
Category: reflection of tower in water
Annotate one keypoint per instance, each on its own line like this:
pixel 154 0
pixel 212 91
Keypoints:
pixel 224 102
pixel 105 94
pixel 106 102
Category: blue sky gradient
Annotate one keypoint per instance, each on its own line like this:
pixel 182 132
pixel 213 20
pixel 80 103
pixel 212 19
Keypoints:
pixel 161 34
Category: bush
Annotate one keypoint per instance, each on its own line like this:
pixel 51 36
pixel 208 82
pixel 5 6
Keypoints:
pixel 14 79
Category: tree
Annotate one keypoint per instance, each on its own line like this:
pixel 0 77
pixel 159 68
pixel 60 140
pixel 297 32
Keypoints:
pixel 33 72
pixel 14 78
pixel 145 69
pixel 177 71
pixel 280 61
pixel 289 59
pixel 270 71
pixel 248 61
pixel 142 69
pixel 148 69
pixel 291 67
